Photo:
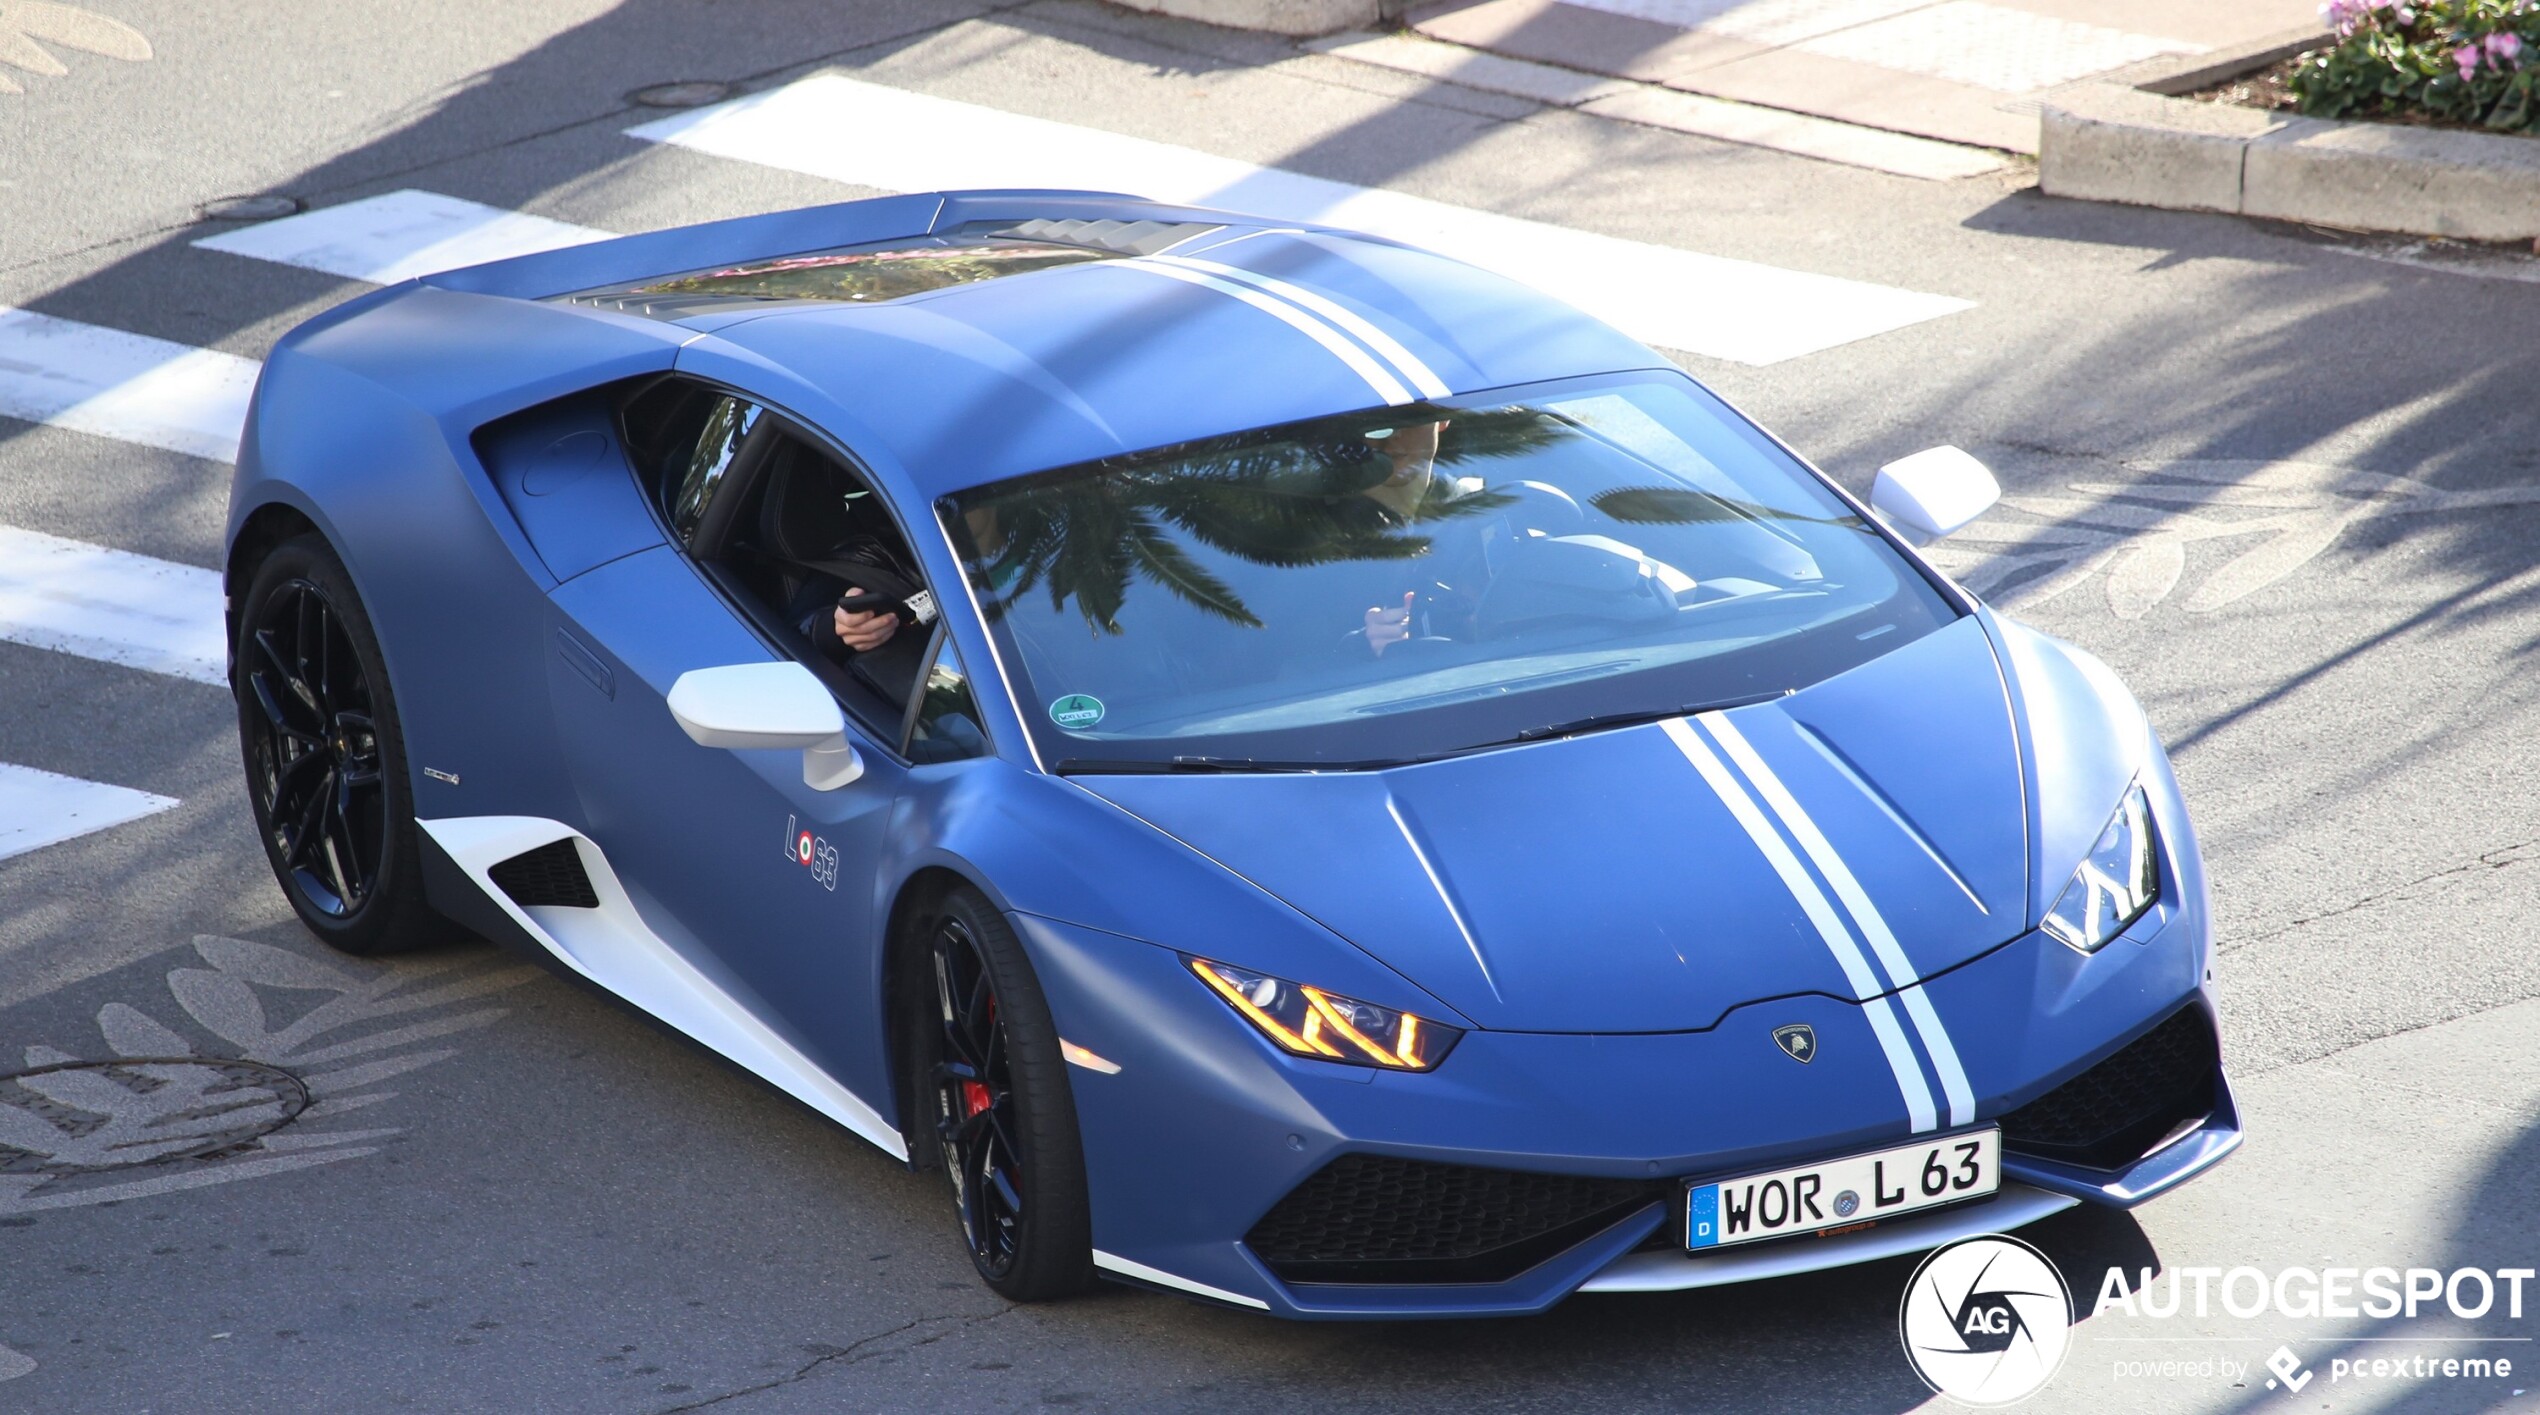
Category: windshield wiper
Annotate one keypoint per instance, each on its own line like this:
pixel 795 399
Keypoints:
pixel 1096 766
pixel 1597 721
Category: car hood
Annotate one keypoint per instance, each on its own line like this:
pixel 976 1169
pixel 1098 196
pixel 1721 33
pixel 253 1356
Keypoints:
pixel 1651 878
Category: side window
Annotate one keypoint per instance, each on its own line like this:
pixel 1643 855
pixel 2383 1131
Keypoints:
pixel 945 726
pixel 797 541
pixel 727 424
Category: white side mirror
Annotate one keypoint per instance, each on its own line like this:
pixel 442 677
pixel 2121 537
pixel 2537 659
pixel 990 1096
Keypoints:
pixel 1933 493
pixel 763 706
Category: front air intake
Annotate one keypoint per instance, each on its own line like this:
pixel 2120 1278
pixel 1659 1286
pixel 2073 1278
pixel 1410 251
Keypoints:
pixel 2112 1114
pixel 1377 1219
pixel 550 875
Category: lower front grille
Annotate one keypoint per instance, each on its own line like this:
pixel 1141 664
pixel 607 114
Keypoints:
pixel 2112 1114
pixel 551 874
pixel 1377 1219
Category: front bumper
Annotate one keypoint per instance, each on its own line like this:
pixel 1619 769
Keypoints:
pixel 1205 1128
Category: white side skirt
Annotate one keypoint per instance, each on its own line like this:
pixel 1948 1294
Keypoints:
pixel 2017 1204
pixel 612 946
pixel 1111 1262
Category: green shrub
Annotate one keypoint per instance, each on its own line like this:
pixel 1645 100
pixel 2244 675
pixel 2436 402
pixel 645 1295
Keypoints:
pixel 2464 61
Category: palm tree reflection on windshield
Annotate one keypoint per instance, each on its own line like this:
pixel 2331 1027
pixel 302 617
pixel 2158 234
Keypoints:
pixel 1294 497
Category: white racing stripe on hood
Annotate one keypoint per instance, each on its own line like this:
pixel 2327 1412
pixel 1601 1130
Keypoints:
pixel 1376 375
pixel 1856 902
pixel 1418 374
pixel 1866 988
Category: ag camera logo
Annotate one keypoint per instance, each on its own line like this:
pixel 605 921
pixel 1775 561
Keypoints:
pixel 1986 1321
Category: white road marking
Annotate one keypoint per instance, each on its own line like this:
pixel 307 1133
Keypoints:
pixel 868 135
pixel 14 1364
pixel 111 605
pixel 1812 902
pixel 125 386
pixel 38 808
pixel 400 235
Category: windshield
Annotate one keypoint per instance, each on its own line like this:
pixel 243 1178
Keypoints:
pixel 1407 583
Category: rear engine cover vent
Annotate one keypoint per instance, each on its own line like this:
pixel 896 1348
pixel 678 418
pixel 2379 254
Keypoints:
pixel 1125 237
pixel 551 874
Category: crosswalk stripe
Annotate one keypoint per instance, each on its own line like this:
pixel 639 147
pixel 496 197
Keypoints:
pixel 125 386
pixel 111 605
pixel 400 235
pixel 868 135
pixel 39 808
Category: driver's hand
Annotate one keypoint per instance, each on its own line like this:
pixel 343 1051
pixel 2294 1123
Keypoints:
pixel 863 632
pixel 1387 627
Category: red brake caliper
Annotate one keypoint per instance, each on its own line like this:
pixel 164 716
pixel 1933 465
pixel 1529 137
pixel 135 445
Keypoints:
pixel 974 1099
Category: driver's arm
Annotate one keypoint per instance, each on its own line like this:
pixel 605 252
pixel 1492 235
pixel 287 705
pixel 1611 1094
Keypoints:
pixel 865 631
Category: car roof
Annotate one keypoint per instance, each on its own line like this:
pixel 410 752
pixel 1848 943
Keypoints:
pixel 1215 325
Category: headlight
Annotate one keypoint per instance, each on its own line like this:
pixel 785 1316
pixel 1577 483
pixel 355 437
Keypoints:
pixel 2117 881
pixel 1326 1026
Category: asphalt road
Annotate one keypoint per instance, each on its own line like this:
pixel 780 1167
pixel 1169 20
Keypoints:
pixel 2287 484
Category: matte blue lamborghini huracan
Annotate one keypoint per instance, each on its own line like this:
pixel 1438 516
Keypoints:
pixel 1292 770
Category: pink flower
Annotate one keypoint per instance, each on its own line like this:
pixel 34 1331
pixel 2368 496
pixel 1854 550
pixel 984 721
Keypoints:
pixel 2467 57
pixel 2504 48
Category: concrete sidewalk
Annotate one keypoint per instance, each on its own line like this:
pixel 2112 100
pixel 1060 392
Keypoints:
pixel 1964 71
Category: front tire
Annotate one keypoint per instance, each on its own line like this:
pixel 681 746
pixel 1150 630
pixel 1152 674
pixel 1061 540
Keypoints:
pixel 986 1060
pixel 326 758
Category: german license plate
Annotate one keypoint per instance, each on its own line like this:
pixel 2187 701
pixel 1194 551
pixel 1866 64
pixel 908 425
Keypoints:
pixel 1843 1192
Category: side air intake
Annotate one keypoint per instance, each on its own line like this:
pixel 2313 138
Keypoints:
pixel 551 875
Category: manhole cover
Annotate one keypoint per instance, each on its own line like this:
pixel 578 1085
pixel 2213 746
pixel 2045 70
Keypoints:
pixel 687 93
pixel 81 1117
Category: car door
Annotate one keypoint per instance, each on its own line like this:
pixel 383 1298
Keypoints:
pixel 764 883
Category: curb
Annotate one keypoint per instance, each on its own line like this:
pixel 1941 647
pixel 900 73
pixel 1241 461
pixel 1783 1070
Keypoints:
pixel 2111 142
pixel 1297 19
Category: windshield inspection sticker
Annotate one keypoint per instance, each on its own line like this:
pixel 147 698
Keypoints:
pixel 1076 710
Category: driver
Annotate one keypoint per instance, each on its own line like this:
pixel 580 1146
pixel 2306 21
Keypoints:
pixel 1413 491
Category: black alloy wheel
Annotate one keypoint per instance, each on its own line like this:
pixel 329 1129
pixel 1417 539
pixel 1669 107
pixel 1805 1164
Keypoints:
pixel 1005 1123
pixel 974 1103
pixel 313 750
pixel 325 763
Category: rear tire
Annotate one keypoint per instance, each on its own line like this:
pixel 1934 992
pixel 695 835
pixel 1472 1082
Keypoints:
pixel 994 1091
pixel 326 757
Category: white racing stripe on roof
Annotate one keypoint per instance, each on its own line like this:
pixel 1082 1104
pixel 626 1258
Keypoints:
pixel 111 605
pixel 1414 372
pixel 129 387
pixel 38 808
pixel 1376 376
pixel 1865 914
pixel 868 135
pixel 1812 902
pixel 400 235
